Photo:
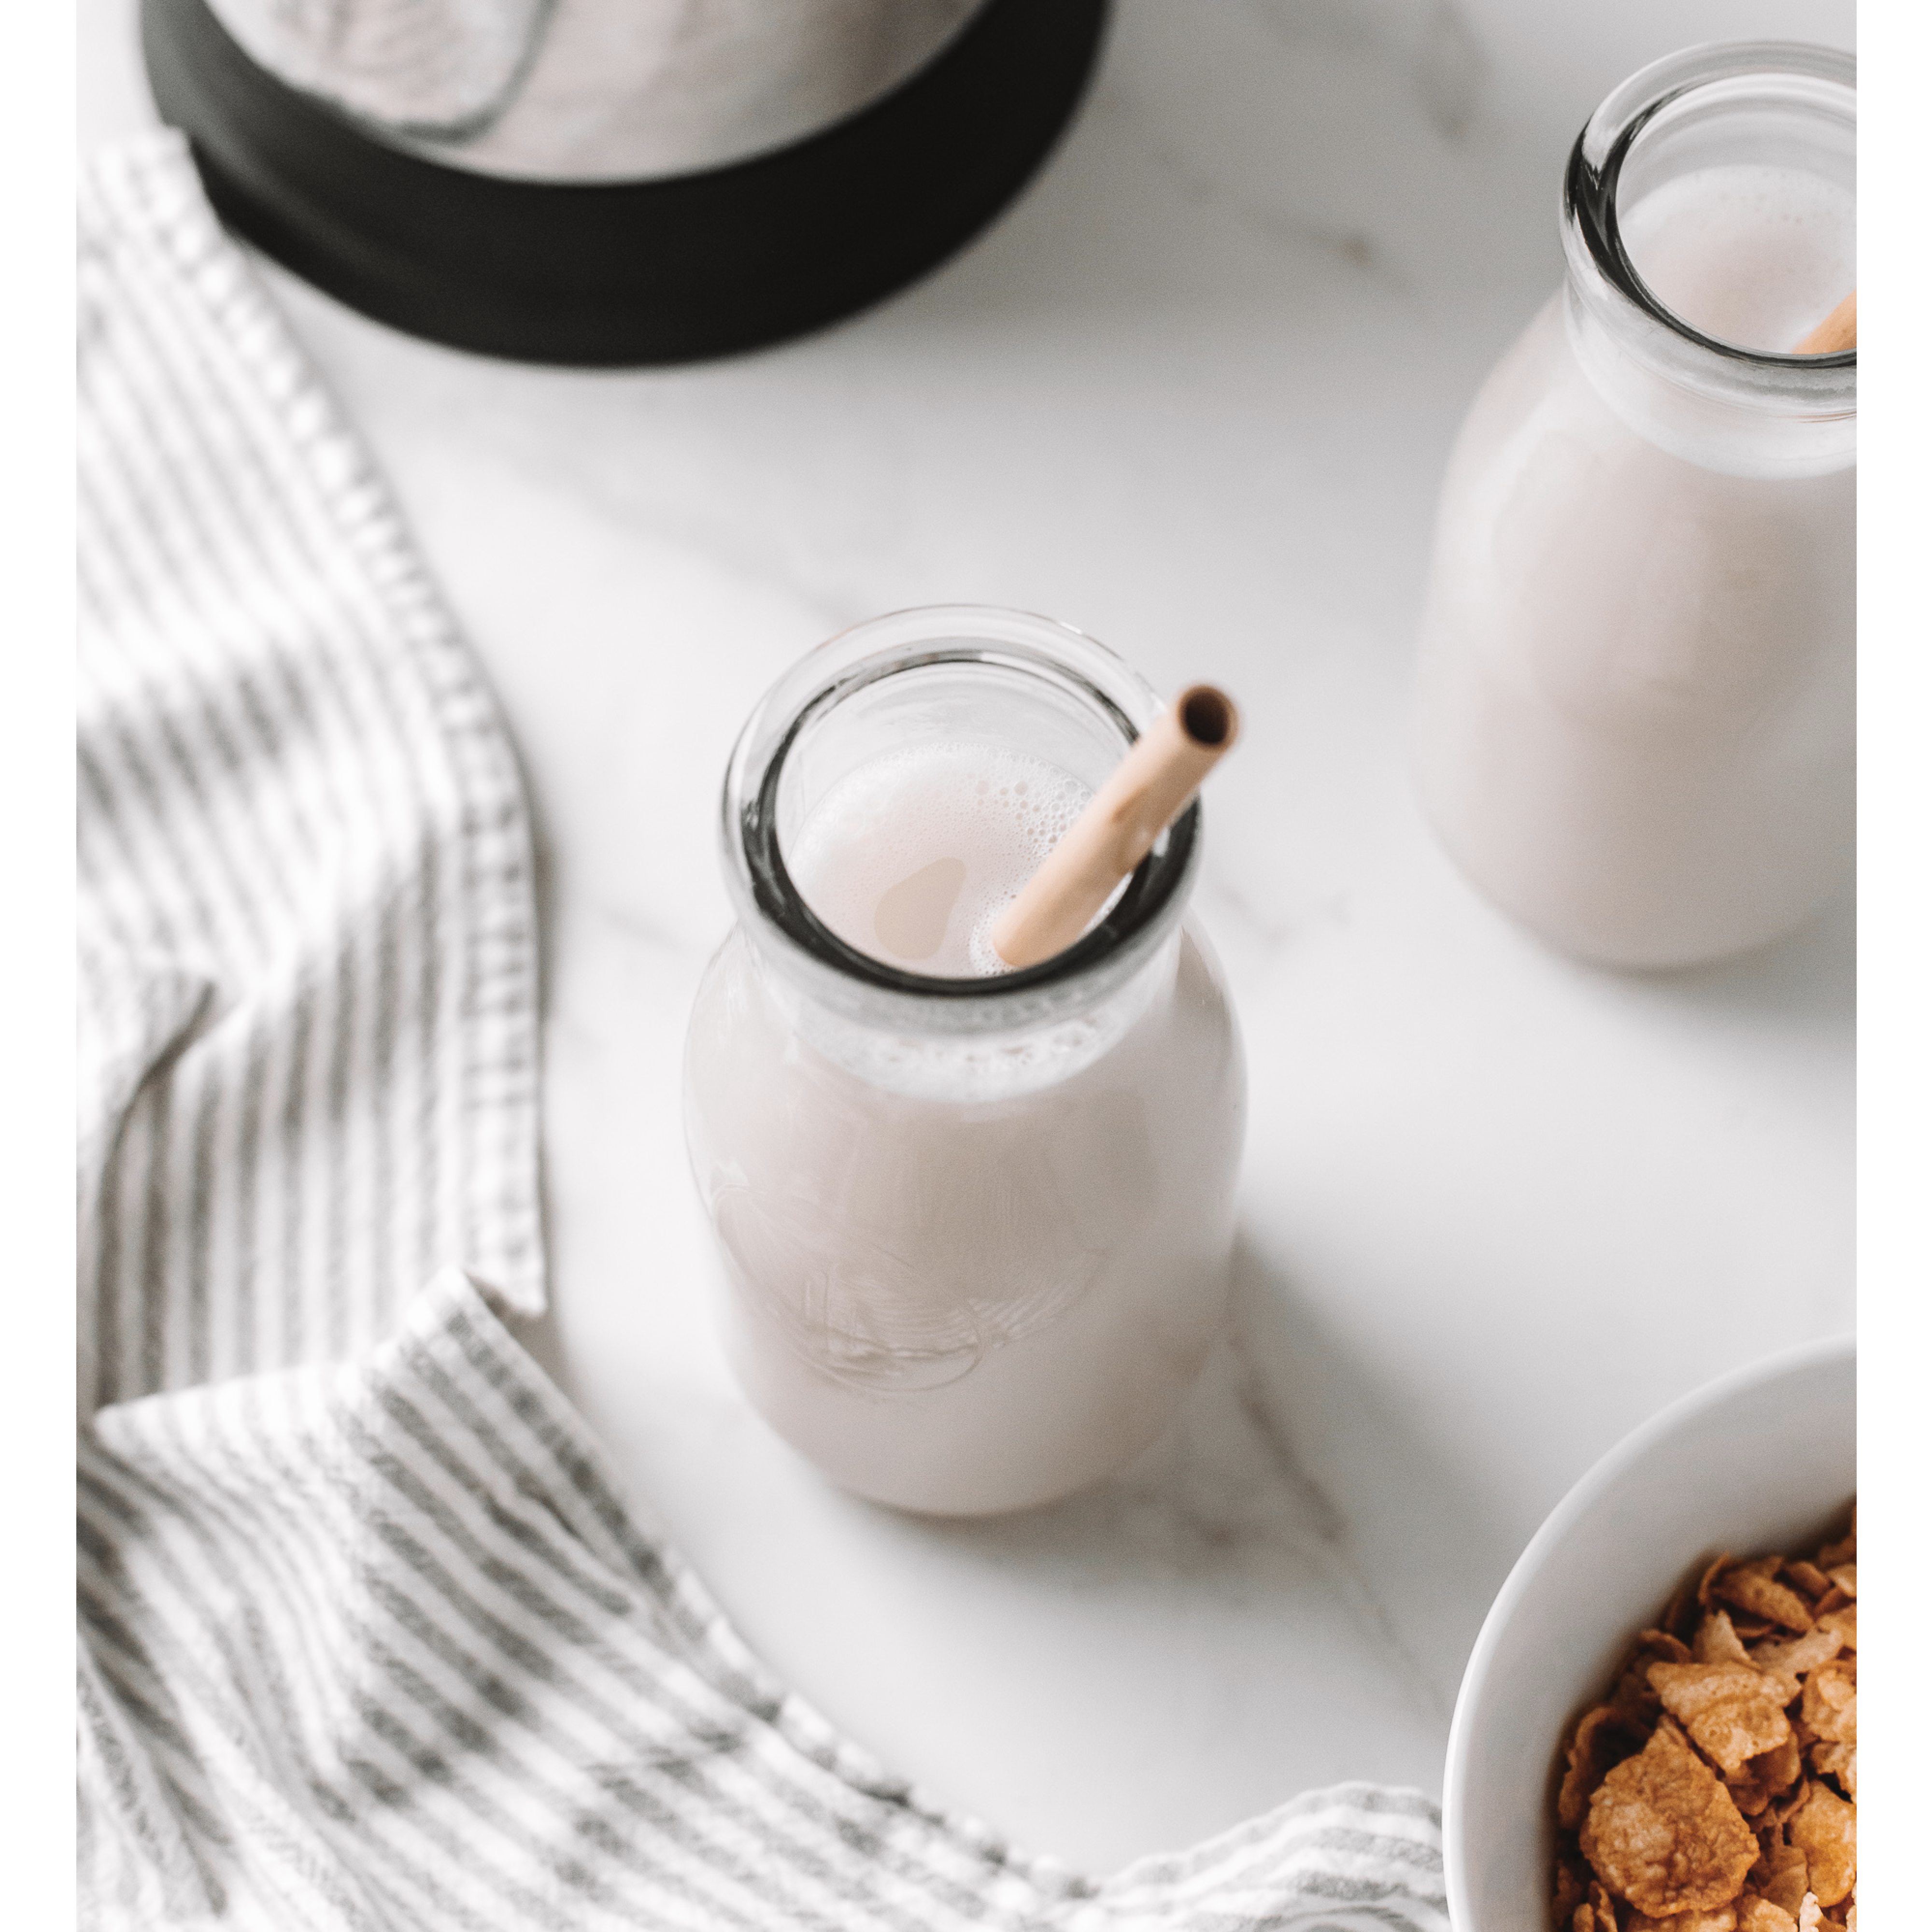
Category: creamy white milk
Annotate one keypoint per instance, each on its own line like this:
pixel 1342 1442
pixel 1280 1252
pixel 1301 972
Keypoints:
pixel 966 1275
pixel 911 857
pixel 1746 253
pixel 1635 692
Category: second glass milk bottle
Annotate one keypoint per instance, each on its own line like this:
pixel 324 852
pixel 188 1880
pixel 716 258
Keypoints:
pixel 1634 716
pixel 976 1232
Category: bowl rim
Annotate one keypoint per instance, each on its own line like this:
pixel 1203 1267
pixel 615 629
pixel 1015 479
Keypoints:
pixel 1576 1501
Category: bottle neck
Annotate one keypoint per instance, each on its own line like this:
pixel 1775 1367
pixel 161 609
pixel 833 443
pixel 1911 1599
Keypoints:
pixel 881 1041
pixel 959 673
pixel 1747 411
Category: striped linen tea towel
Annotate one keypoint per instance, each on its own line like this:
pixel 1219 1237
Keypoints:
pixel 367 1639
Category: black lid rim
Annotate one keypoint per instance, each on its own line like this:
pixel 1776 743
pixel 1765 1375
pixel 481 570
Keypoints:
pixel 670 268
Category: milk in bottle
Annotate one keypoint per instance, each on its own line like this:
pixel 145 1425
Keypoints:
pixel 975 1224
pixel 1634 698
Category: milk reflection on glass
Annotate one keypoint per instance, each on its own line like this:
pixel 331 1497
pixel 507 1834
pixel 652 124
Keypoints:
pixel 975 1224
pixel 1634 715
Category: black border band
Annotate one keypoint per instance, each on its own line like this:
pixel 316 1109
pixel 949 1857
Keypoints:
pixel 669 269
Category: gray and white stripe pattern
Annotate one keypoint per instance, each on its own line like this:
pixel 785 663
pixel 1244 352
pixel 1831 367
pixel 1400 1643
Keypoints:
pixel 309 1048
pixel 368 1640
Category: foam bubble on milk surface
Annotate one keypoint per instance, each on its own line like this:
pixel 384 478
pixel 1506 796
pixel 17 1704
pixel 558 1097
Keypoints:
pixel 912 856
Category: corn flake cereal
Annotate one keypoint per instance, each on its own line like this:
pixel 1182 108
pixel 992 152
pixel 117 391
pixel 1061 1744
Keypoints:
pixel 1714 1788
pixel 1825 1828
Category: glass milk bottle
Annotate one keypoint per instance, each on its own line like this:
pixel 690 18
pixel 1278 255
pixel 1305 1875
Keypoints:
pixel 1634 726
pixel 976 1231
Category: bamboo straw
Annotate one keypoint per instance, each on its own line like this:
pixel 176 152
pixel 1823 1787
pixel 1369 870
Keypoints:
pixel 1140 798
pixel 1838 331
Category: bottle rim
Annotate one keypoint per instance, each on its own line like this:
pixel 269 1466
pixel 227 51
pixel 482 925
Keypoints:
pixel 861 657
pixel 1590 227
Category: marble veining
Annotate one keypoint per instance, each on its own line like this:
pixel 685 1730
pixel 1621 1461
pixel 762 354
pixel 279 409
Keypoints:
pixel 1351 247
pixel 1430 42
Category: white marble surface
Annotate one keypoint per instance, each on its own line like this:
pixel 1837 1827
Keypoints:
pixel 1194 395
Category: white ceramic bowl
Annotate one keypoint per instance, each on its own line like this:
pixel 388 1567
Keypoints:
pixel 1760 1460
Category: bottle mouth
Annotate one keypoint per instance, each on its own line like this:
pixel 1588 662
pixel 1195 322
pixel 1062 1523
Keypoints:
pixel 1052 689
pixel 1751 100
